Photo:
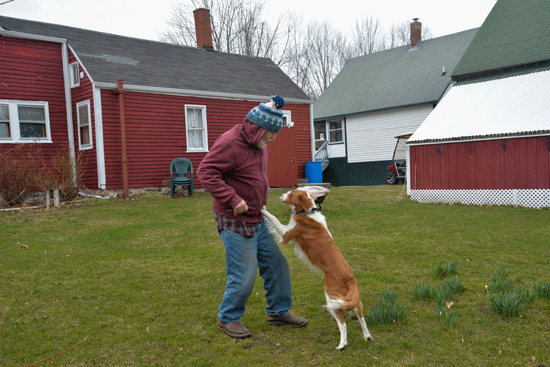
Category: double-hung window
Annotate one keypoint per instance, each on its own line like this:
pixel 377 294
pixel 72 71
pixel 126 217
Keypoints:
pixel 336 131
pixel 84 125
pixel 24 122
pixel 195 128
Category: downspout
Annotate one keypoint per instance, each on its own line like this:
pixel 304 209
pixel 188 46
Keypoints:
pixel 120 91
pixel 68 105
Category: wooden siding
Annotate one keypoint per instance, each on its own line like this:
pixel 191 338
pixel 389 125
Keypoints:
pixel 32 70
pixel 371 137
pixel 84 92
pixel 520 163
pixel 155 133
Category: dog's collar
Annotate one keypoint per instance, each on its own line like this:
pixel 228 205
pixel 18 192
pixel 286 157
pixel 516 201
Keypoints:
pixel 310 211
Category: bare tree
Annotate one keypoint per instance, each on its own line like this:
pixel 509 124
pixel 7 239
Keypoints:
pixel 237 27
pixel 311 58
pixel 323 53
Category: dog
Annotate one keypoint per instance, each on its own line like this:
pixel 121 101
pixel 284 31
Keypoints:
pixel 314 244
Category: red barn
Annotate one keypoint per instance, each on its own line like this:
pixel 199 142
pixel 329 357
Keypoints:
pixel 121 101
pixel 488 140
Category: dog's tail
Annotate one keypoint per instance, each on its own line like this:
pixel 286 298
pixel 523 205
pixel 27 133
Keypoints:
pixel 278 237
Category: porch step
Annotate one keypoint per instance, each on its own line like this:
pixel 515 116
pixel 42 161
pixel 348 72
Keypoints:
pixel 323 184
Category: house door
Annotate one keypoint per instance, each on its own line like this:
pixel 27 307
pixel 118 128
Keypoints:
pixel 282 168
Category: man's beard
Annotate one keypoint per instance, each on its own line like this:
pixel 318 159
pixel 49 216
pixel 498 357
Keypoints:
pixel 262 144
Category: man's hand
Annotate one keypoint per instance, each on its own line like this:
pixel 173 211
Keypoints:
pixel 241 208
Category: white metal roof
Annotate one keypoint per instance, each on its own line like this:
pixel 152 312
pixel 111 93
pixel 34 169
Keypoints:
pixel 514 106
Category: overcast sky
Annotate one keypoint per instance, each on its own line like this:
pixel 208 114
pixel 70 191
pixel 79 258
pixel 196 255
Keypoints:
pixel 147 18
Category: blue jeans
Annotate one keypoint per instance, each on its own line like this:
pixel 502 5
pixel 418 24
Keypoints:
pixel 243 256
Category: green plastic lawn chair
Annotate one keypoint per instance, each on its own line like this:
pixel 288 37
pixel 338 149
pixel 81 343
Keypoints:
pixel 181 174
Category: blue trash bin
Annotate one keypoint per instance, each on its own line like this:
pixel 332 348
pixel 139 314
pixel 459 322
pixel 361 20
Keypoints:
pixel 314 172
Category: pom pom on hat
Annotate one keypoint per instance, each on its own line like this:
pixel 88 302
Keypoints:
pixel 268 115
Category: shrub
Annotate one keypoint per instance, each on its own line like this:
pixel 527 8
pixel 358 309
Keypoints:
pixel 443 269
pixel 386 311
pixel 20 175
pixel 61 173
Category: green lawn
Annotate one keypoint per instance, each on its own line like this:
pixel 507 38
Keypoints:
pixel 138 282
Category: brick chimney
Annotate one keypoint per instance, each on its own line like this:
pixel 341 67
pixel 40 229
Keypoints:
pixel 416 32
pixel 203 29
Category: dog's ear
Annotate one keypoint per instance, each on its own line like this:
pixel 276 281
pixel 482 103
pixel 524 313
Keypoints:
pixel 303 201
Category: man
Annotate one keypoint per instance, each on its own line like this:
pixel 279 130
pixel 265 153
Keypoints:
pixel 235 172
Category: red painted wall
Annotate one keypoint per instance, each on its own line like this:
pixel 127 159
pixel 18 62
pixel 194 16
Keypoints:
pixel 155 133
pixel 33 71
pixel 84 92
pixel 521 163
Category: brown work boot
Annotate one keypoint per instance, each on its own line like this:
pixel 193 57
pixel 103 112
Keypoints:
pixel 234 330
pixel 287 319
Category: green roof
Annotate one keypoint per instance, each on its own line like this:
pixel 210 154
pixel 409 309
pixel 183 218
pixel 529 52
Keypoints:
pixel 398 77
pixel 516 32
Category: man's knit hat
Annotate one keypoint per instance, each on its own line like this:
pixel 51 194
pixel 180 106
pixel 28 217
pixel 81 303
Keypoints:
pixel 268 115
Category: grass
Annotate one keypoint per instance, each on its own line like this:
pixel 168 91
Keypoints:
pixel 138 283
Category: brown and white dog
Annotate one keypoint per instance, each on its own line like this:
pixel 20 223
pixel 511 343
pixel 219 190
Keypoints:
pixel 314 244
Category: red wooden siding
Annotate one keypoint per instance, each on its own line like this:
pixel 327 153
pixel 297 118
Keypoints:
pixel 33 71
pixel 521 163
pixel 84 92
pixel 155 133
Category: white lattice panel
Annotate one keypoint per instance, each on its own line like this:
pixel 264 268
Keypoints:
pixel 527 198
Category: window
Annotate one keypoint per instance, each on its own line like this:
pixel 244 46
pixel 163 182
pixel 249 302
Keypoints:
pixel 195 126
pixel 287 118
pixel 22 122
pixel 320 130
pixel 336 131
pixel 75 75
pixel 5 131
pixel 84 125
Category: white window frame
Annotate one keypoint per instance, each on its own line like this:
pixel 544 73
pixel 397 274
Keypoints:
pixel 287 118
pixel 15 126
pixel 329 130
pixel 192 149
pixel 75 74
pixel 80 125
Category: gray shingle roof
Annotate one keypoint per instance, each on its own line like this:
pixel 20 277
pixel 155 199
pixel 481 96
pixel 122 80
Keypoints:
pixel 394 78
pixel 514 33
pixel 139 62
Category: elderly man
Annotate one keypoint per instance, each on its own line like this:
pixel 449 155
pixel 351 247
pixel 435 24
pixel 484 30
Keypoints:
pixel 235 172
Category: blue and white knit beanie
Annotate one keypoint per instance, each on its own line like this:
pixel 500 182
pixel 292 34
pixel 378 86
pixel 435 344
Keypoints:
pixel 268 115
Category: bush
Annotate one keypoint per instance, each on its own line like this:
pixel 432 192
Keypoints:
pixel 61 173
pixel 20 175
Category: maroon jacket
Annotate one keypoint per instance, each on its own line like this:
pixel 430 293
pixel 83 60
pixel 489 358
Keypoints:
pixel 235 169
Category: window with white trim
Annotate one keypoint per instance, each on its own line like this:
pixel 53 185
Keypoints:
pixel 84 125
pixel 336 131
pixel 320 131
pixel 75 74
pixel 195 128
pixel 24 122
